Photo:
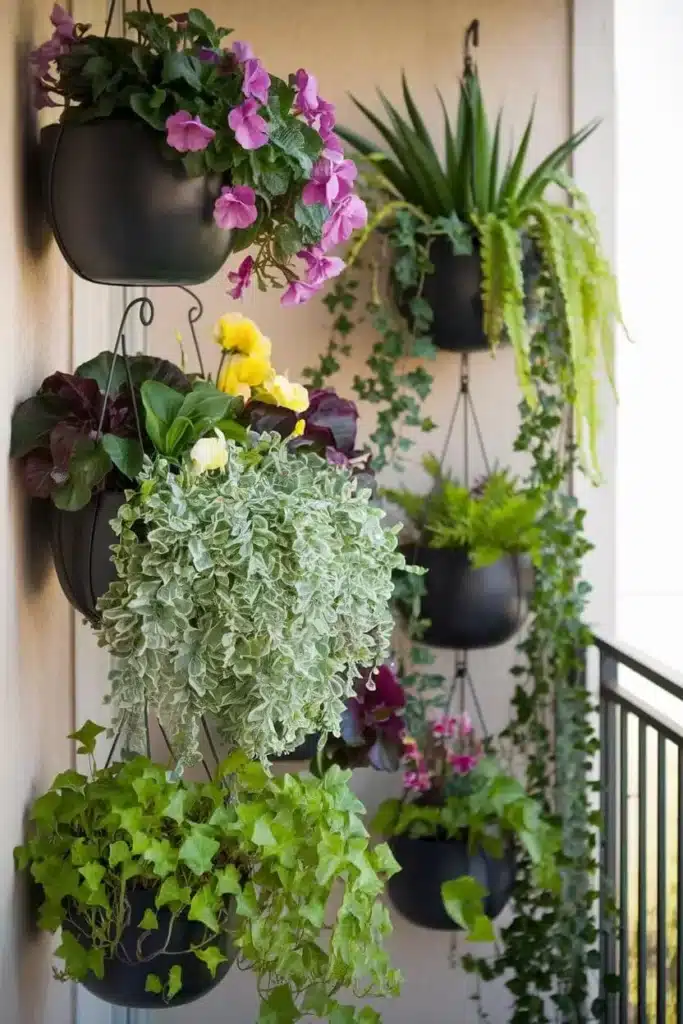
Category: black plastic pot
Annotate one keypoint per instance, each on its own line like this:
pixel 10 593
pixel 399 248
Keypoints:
pixel 304 752
pixel 123 212
pixel 81 547
pixel 472 608
pixel 125 977
pixel 453 292
pixel 415 890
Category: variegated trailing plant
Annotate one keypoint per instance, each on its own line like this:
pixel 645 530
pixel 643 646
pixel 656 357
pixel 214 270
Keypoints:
pixel 481 204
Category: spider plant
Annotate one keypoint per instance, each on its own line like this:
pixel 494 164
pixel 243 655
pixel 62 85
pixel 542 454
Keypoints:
pixel 492 207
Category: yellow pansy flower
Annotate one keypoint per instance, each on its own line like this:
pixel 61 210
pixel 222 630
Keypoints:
pixel 299 428
pixel 242 373
pixel 279 390
pixel 237 333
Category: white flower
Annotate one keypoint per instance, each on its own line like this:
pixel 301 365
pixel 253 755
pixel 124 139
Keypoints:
pixel 209 453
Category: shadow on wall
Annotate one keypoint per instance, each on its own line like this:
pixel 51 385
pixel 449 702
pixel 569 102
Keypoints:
pixel 36 233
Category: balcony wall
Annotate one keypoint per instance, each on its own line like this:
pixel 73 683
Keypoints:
pixel 35 623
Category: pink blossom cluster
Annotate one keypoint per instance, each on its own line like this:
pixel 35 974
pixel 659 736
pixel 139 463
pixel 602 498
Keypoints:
pixel 451 744
pixel 331 183
pixel 41 58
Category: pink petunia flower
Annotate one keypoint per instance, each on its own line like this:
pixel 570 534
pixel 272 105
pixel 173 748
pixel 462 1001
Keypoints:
pixel 63 23
pixel 251 130
pixel 306 101
pixel 465 726
pixel 186 133
pixel 333 149
pixel 298 292
pixel 347 215
pixel 462 764
pixel 320 268
pixel 243 51
pixel 329 182
pixel 241 278
pixel 256 81
pixel 235 207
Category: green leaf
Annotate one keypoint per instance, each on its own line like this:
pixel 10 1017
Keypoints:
pixel 88 466
pixel 93 873
pixel 32 422
pixel 310 219
pixel 203 908
pixel 119 852
pixel 153 984
pixel 228 881
pixel 201 23
pixel 175 808
pixel 179 66
pixel 69 780
pixel 162 405
pixel 212 957
pixel 233 763
pixel 143 105
pixel 149 921
pixel 86 737
pixel 262 834
pixel 179 435
pixel 171 891
pixel 76 958
pixel 463 901
pixel 386 817
pixel 198 852
pixel 175 981
pixel 162 856
pixel 125 452
pixel 278 1007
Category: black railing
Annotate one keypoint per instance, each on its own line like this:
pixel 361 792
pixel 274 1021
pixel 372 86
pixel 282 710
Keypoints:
pixel 641 913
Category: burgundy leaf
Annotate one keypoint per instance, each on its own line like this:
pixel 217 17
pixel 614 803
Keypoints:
pixel 328 415
pixel 36 470
pixel 81 394
pixel 63 439
pixel 262 417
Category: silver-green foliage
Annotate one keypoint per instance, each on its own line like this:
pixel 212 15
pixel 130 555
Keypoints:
pixel 252 594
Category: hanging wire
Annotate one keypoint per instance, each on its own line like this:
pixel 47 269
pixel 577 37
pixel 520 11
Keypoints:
pixel 194 314
pixel 112 8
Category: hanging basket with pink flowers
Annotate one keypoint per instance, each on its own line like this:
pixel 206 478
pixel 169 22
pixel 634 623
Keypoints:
pixel 173 151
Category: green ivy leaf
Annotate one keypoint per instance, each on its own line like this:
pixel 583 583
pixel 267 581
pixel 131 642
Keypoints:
pixel 69 780
pixel 149 921
pixel 175 808
pixel 86 737
pixel 76 958
pixel 203 908
pixel 212 957
pixel 228 881
pixel 93 874
pixel 198 852
pixel 278 1007
pixel 175 981
pixel 162 856
pixel 153 984
pixel 172 892
pixel 119 853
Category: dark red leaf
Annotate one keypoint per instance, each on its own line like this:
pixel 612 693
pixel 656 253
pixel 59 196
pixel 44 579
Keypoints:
pixel 81 394
pixel 63 440
pixel 262 417
pixel 329 416
pixel 36 470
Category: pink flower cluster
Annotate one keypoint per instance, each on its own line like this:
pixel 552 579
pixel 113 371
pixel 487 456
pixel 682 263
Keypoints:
pixel 331 183
pixel 41 58
pixel 451 745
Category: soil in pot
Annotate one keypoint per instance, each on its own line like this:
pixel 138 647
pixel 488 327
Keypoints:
pixel 81 547
pixel 453 292
pixel 124 212
pixel 472 608
pixel 415 891
pixel 125 976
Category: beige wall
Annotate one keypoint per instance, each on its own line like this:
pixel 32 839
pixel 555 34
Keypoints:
pixel 358 46
pixel 36 690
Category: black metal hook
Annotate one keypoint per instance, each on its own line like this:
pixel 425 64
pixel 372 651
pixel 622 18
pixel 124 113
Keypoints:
pixel 112 8
pixel 471 40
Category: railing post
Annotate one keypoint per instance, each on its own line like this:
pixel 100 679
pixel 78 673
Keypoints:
pixel 609 805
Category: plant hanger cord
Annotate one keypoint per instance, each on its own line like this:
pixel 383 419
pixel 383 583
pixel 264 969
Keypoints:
pixel 112 8
pixel 119 736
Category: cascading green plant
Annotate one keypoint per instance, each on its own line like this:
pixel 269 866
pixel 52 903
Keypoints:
pixel 249 860
pixel 511 218
pixel 252 593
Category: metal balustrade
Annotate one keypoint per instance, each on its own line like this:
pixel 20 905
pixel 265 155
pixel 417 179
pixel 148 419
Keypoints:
pixel 641 774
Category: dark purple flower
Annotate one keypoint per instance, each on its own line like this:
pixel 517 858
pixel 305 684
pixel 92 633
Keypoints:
pixel 208 56
pixel 372 726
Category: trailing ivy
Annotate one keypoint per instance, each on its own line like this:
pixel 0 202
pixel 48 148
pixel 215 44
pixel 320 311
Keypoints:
pixel 397 387
pixel 548 951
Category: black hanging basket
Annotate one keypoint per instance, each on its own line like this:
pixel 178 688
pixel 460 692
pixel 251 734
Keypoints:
pixel 453 292
pixel 472 608
pixel 306 751
pixel 81 547
pixel 415 891
pixel 125 976
pixel 123 212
